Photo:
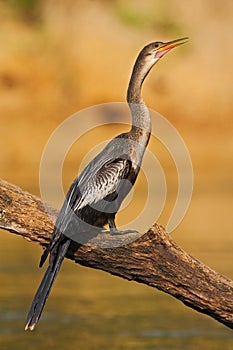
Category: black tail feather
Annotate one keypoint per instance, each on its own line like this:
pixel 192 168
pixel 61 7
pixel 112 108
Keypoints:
pixel 45 286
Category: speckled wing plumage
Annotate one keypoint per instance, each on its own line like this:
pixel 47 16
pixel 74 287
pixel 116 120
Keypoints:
pixel 95 195
pixel 100 183
pixel 103 184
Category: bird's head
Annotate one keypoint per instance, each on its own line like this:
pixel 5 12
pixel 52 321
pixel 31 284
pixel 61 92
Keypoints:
pixel 146 59
pixel 154 51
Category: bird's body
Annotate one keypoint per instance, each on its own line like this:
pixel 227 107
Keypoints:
pixel 96 194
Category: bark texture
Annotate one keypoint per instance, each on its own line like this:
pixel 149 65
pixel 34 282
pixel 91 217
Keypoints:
pixel 152 258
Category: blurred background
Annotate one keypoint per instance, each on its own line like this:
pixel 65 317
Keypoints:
pixel 58 57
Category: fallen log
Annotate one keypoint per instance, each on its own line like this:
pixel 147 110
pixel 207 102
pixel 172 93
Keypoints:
pixel 152 258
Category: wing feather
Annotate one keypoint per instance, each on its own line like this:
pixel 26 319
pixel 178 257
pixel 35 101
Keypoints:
pixel 101 178
pixel 103 183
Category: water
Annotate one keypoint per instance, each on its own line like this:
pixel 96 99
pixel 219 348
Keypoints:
pixel 90 309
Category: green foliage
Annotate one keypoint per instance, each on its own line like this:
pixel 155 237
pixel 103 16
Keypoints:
pixel 154 15
pixel 26 9
pixel 130 15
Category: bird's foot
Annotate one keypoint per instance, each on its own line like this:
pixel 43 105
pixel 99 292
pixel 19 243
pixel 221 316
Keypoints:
pixel 115 231
pixel 103 230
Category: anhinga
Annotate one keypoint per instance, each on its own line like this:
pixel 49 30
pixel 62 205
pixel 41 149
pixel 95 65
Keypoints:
pixel 97 193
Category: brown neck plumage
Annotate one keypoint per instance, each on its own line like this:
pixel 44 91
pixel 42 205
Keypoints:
pixel 141 123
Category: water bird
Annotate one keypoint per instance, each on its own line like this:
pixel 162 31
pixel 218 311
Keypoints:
pixel 96 194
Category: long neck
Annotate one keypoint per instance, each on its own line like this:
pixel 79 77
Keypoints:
pixel 141 123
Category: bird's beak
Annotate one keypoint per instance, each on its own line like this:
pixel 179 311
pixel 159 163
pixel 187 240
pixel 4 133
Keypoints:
pixel 164 48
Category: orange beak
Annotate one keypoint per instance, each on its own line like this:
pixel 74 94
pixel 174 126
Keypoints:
pixel 164 48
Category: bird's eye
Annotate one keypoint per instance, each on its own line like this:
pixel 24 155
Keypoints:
pixel 157 44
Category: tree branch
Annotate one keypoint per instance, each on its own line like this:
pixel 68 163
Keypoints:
pixel 153 259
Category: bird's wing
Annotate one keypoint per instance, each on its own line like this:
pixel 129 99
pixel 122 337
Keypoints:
pixel 103 183
pixel 93 185
pixel 100 178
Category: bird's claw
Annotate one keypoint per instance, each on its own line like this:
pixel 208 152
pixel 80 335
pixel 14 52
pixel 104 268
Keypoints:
pixel 115 231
